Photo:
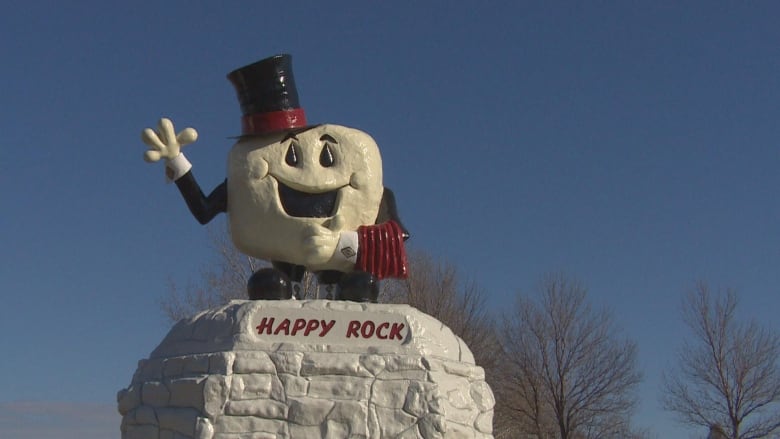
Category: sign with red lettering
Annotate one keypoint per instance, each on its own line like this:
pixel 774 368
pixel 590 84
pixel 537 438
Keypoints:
pixel 330 327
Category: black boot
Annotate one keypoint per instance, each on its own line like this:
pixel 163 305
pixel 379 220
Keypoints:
pixel 294 274
pixel 269 284
pixel 329 283
pixel 358 286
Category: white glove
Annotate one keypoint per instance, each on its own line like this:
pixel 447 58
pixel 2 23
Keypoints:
pixel 164 143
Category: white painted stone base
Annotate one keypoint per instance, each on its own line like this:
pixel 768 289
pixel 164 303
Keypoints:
pixel 215 376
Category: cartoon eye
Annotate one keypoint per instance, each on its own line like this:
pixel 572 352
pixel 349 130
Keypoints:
pixel 292 155
pixel 326 157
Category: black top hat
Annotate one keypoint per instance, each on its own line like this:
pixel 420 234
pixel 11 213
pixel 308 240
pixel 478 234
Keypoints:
pixel 268 97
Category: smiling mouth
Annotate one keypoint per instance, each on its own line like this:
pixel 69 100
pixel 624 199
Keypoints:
pixel 306 205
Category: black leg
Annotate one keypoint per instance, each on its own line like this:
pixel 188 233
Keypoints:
pixel 359 286
pixel 269 284
pixel 295 274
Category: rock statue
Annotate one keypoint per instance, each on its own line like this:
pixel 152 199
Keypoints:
pixel 306 197
pixel 295 369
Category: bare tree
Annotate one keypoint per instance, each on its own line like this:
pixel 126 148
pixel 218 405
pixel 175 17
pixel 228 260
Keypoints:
pixel 566 373
pixel 727 377
pixel 435 288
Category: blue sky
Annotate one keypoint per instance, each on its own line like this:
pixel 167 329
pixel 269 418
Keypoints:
pixel 633 145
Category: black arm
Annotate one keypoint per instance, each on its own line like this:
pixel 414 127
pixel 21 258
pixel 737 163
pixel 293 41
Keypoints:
pixel 203 208
pixel 388 211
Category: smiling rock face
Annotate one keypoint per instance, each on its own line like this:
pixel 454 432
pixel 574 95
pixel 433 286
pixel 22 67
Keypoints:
pixel 284 186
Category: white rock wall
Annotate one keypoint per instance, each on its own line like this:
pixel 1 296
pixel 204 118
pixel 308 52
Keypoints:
pixel 217 377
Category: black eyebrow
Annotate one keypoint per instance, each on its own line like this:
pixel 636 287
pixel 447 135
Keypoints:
pixel 290 135
pixel 329 138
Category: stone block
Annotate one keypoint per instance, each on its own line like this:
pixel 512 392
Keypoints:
pixel 416 403
pixel 141 432
pixel 215 394
pixel 460 398
pixel 173 367
pixel 154 393
pixel 373 363
pixel 390 394
pixel 180 420
pixel 253 362
pixel 404 362
pixel 204 429
pixel 305 431
pixel 341 388
pixel 254 386
pixel 392 421
pixel 253 435
pixel 446 382
pixel 309 411
pixel 149 370
pixel 214 324
pixel 484 422
pixel 466 356
pixel 169 434
pixel 458 431
pixel 412 432
pixel 146 415
pixel 277 390
pixel 221 363
pixel 435 404
pixel 236 388
pixel 267 409
pixel 187 392
pixel 352 413
pixel 128 399
pixel 468 371
pixel 335 430
pixel 482 396
pixel 432 426
pixel 287 361
pixel 250 424
pixel 294 385
pixel 407 375
pixel 315 363
pixel 198 364
pixel 460 415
